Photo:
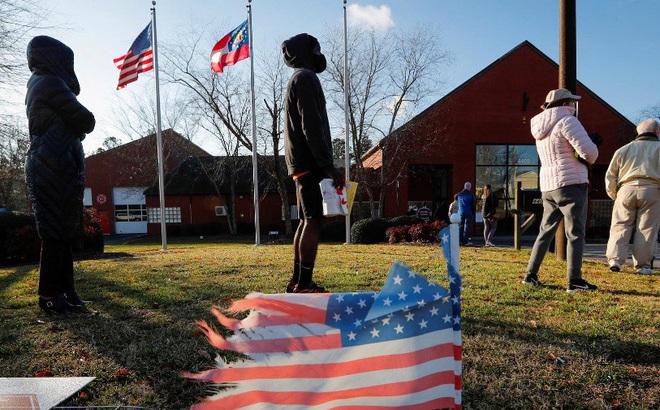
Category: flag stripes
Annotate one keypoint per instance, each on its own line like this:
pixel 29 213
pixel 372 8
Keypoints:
pixel 138 59
pixel 398 348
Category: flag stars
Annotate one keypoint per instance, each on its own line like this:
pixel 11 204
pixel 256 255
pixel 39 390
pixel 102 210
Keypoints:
pixel 402 295
pixel 411 274
pixel 434 311
pixel 457 320
pixel 397 280
pixel 421 303
pixel 351 336
pixel 455 299
pixel 387 302
pixel 349 310
pixel 337 317
pixel 447 318
pixel 410 316
pixel 375 333
pixel 422 324
pixel 362 303
pixel 340 298
pixel 445 238
pixel 437 296
pixel 386 321
pixel 452 279
pixel 399 329
pixel 357 323
pixel 417 289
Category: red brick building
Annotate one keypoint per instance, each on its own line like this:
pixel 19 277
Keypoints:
pixel 198 197
pixel 480 133
pixel 115 180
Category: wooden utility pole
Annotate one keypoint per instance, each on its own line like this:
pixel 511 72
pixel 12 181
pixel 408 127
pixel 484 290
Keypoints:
pixel 568 80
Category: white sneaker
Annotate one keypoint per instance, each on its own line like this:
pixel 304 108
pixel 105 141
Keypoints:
pixel 645 271
pixel 489 243
pixel 615 266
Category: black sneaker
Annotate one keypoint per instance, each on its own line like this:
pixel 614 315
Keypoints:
pixel 311 288
pixel 532 279
pixel 580 285
pixel 290 285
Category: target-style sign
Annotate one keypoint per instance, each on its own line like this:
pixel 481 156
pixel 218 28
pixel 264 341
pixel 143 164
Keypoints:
pixel 101 199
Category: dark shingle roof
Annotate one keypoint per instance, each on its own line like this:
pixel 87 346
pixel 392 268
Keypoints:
pixel 195 176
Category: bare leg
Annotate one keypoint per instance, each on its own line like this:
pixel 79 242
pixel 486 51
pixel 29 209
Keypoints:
pixel 309 241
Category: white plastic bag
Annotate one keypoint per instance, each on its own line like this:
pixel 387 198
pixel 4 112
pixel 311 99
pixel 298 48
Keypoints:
pixel 334 199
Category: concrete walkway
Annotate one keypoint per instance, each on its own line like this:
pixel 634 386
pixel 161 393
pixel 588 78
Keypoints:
pixel 594 251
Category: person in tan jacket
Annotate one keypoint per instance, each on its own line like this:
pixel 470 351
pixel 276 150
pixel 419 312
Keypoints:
pixel 633 182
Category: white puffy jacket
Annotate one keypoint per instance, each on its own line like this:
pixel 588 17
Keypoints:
pixel 559 135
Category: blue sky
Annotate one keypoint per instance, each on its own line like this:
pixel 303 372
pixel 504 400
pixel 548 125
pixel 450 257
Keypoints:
pixel 617 40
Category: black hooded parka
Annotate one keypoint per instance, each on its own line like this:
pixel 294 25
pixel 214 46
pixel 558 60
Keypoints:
pixel 55 165
pixel 307 142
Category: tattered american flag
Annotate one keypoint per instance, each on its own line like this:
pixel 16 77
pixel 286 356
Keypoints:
pixel 398 348
pixel 138 59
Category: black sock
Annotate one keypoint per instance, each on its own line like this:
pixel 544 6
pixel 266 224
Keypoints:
pixel 296 271
pixel 306 271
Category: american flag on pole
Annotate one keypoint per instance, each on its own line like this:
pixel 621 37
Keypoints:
pixel 232 48
pixel 397 348
pixel 138 59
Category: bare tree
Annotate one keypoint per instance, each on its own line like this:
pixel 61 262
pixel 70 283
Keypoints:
pixel 390 74
pixel 17 19
pixel 272 80
pixel 14 144
pixel 222 101
pixel 134 112
pixel 649 112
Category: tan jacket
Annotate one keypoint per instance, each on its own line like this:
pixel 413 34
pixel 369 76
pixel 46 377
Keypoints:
pixel 636 163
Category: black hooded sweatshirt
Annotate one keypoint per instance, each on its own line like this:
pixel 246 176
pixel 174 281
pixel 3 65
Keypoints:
pixel 55 165
pixel 307 142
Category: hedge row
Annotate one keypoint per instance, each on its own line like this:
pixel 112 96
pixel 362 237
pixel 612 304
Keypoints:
pixel 398 229
pixel 20 242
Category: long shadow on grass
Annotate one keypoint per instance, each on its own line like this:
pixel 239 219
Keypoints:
pixel 150 334
pixel 610 348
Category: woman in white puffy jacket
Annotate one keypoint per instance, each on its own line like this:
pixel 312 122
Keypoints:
pixel 560 139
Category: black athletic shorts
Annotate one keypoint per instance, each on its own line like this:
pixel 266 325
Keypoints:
pixel 308 195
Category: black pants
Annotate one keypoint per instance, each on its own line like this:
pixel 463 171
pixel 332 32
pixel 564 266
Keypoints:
pixel 56 268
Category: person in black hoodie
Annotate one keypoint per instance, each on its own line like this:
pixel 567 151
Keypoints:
pixel 55 166
pixel 308 152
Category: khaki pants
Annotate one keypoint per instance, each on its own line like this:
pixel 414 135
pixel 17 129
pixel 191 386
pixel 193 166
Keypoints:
pixel 635 207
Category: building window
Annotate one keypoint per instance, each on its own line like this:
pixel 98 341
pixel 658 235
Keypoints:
pixel 503 166
pixel 130 213
pixel 172 215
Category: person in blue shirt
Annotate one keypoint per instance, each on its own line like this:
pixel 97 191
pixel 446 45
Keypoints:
pixel 467 205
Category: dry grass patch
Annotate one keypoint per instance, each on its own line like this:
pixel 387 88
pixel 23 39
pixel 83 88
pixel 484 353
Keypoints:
pixel 524 347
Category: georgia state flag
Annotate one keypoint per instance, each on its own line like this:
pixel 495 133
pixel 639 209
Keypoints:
pixel 232 48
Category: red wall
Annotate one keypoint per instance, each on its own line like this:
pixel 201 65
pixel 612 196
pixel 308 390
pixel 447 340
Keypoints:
pixel 198 209
pixel 488 109
pixel 133 165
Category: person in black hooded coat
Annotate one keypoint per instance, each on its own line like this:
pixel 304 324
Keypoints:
pixel 55 166
pixel 308 152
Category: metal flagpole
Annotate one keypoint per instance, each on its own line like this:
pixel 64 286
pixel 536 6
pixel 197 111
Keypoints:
pixel 159 137
pixel 255 177
pixel 347 145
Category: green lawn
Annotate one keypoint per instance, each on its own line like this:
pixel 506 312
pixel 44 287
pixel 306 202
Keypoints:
pixel 144 334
